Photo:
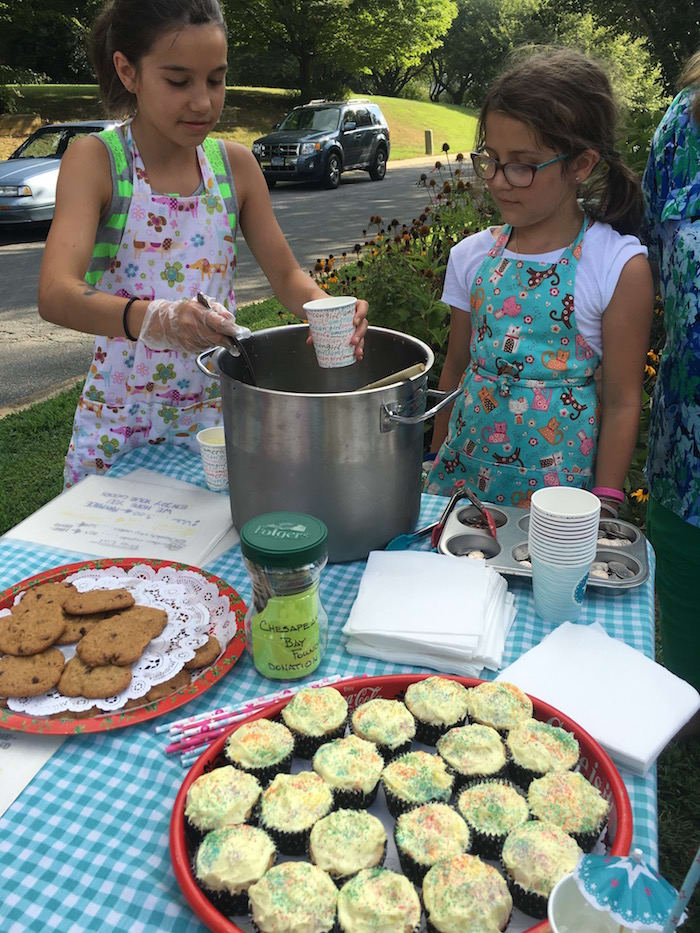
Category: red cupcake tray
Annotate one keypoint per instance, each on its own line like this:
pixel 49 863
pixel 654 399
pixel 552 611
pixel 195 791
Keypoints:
pixel 595 765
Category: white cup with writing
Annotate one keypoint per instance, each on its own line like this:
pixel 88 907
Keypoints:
pixel 212 446
pixel 331 324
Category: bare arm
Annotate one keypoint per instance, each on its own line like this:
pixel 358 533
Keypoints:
pixel 267 243
pixel 456 363
pixel 626 327
pixel 83 194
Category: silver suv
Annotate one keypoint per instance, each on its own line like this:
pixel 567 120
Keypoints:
pixel 322 139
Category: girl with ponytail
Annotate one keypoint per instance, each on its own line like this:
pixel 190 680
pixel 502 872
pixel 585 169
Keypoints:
pixel 540 303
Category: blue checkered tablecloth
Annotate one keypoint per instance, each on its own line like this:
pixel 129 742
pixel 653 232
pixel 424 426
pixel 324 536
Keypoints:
pixel 85 845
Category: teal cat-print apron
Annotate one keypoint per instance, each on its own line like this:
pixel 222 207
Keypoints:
pixel 527 416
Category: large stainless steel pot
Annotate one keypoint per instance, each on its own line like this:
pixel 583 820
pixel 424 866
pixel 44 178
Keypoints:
pixel 303 440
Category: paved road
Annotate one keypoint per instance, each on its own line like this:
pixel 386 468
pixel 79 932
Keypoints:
pixel 37 358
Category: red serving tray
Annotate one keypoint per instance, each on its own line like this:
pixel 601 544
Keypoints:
pixel 596 765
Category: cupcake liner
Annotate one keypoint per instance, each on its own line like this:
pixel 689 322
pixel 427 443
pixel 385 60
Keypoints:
pixel 288 842
pixel 388 753
pixel 588 840
pixel 416 928
pixel 429 732
pixel 398 805
pixel 488 845
pixel 532 904
pixel 225 901
pixel 306 746
pixel 193 834
pixel 525 776
pixel 463 781
pixel 346 799
pixel 266 774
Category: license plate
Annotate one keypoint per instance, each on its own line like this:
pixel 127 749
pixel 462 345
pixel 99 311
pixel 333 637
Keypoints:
pixel 278 161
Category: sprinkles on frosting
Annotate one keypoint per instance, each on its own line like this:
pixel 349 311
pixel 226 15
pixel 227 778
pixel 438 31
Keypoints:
pixel 231 858
pixel 473 749
pixel 538 854
pixel 377 898
pixel 567 799
pixel 493 807
pixel 431 832
pixel 500 704
pixel 346 841
pixel 259 744
pixel 541 747
pixel 222 797
pixel 386 722
pixel 349 764
pixel 315 710
pixel 293 802
pixel 294 896
pixel 463 893
pixel 419 777
pixel 437 700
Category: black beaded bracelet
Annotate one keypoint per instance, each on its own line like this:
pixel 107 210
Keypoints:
pixel 127 332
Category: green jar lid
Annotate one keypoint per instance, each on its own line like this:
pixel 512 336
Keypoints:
pixel 284 539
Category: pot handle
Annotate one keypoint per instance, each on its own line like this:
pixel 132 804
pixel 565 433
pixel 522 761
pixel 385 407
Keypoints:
pixel 203 358
pixel 390 418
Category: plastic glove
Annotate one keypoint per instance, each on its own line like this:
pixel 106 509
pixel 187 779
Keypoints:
pixel 187 325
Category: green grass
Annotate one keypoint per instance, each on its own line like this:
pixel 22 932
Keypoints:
pixel 252 111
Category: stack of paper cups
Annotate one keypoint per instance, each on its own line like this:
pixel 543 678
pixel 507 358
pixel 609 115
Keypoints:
pixel 562 539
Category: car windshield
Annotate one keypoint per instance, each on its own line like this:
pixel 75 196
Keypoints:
pixel 307 118
pixel 47 143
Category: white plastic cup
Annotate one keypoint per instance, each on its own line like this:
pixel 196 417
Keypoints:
pixel 212 446
pixel 331 324
pixel 564 504
pixel 558 590
pixel 569 912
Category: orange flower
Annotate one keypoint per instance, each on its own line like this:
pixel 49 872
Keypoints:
pixel 640 495
pixel 649 370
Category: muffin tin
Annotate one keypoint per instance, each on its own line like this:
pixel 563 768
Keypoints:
pixel 465 531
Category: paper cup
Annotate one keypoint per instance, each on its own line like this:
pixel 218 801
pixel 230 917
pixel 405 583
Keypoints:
pixel 330 322
pixel 558 590
pixel 569 912
pixel 565 504
pixel 212 446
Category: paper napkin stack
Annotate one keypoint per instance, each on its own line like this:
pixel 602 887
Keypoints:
pixel 629 703
pixel 433 610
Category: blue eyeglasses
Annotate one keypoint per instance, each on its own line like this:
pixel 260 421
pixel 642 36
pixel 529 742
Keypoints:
pixel 517 174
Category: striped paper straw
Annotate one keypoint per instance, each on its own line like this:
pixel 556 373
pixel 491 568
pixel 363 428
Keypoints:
pixel 177 724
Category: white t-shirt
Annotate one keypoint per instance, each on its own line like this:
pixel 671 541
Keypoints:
pixel 605 252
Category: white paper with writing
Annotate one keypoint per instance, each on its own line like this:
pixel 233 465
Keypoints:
pixel 126 517
pixel 21 757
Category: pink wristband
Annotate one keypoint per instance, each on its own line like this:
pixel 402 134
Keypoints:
pixel 605 492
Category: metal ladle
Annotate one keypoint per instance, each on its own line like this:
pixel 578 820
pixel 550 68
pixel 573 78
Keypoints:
pixel 235 342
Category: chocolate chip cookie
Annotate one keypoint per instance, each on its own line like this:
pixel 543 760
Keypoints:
pixel 120 639
pixel 79 680
pixel 204 655
pixel 82 604
pixel 30 676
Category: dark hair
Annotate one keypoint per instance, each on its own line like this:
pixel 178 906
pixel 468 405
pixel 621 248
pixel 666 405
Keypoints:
pixel 567 100
pixel 132 27
pixel 690 78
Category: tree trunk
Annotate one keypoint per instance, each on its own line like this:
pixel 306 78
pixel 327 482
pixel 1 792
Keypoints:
pixel 306 82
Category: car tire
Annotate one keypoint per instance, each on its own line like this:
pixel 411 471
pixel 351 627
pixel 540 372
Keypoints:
pixel 377 169
pixel 271 182
pixel 331 176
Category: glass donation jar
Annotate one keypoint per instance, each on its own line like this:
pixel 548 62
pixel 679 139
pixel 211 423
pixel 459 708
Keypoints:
pixel 286 625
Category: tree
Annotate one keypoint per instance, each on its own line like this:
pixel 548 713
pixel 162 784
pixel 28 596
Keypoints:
pixel 395 38
pixel 671 30
pixel 314 32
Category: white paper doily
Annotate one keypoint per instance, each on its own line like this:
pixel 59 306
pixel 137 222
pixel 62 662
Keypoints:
pixel 195 611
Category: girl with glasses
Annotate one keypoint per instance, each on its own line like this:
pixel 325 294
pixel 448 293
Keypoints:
pixel 563 289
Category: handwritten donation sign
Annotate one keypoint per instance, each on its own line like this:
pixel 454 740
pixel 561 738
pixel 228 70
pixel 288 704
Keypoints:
pixel 131 517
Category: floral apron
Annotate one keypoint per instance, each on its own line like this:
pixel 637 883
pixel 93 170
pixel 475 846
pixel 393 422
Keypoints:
pixel 172 247
pixel 527 416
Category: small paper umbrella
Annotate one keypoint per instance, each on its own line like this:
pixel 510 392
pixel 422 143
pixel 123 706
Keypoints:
pixel 690 883
pixel 634 895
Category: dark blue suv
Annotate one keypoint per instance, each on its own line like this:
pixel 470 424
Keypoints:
pixel 322 139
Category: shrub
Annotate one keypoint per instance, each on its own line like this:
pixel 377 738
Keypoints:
pixel 9 98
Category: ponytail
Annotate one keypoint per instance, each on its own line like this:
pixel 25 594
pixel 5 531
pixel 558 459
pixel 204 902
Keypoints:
pixel 614 195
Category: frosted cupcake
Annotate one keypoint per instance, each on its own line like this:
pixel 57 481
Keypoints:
pixel 378 899
pixel 428 834
pixel 314 715
pixel 414 779
pixel 352 768
pixel 464 894
pixel 262 748
pixel 492 809
pixel 293 896
pixel 535 856
pixel 568 800
pixel 437 704
pixel 222 797
pixel 345 842
pixel 501 705
pixel 387 723
pixel 229 861
pixel 289 807
pixel 537 748
pixel 473 752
